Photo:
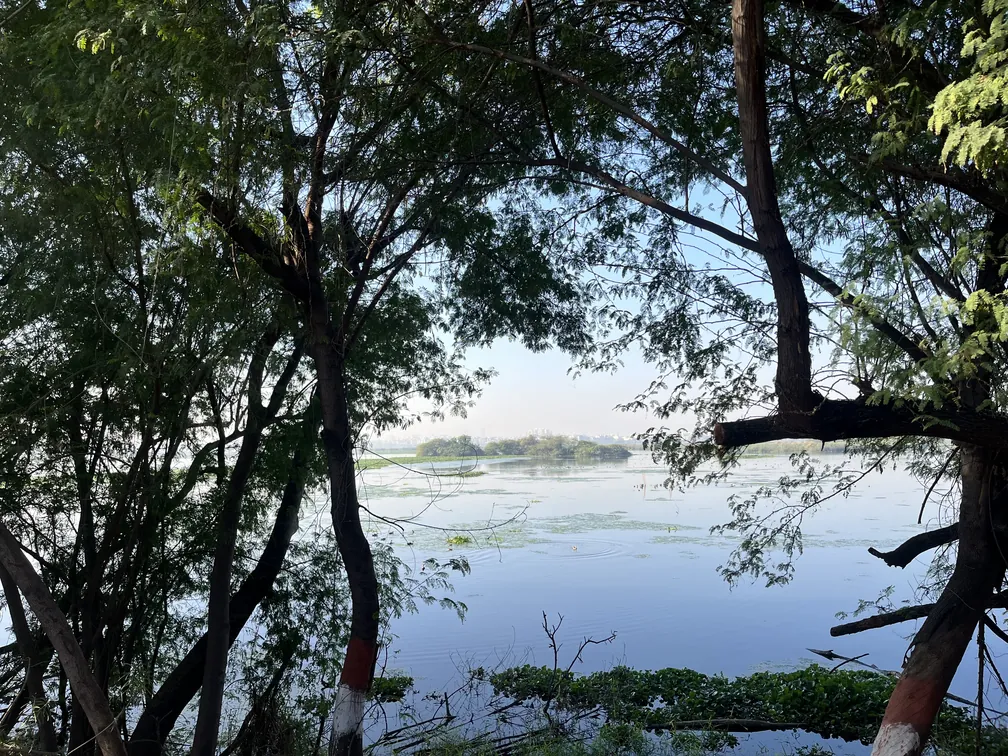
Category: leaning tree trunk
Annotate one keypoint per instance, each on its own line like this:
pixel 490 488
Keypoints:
pixel 346 736
pixel 35 661
pixel 85 687
pixel 942 640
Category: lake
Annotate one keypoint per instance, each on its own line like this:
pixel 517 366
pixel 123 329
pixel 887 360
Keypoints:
pixel 611 550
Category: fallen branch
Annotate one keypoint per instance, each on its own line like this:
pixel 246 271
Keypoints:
pixel 913 547
pixel 833 656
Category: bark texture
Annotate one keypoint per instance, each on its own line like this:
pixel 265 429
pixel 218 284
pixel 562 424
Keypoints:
pixel 355 551
pixel 793 381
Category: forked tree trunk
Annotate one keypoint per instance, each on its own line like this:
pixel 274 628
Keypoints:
pixel 944 637
pixel 346 735
pixel 182 683
pixel 218 610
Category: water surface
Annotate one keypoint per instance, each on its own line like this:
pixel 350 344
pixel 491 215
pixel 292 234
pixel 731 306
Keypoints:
pixel 611 550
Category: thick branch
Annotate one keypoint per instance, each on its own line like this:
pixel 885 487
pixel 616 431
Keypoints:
pixel 253 245
pixel 834 420
pixel 917 545
pixel 952 178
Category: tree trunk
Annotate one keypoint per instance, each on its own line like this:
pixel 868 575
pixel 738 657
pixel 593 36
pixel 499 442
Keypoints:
pixel 218 635
pixel 943 638
pixel 82 682
pixel 35 662
pixel 793 381
pixel 218 611
pixel 346 736
pixel 158 719
pixel 793 378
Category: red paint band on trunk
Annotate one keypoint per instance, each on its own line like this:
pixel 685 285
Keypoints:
pixel 359 662
pixel 915 701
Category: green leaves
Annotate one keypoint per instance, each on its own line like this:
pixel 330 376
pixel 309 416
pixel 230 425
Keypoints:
pixel 970 112
pixel 833 704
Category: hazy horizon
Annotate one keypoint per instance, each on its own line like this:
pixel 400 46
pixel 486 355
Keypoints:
pixel 535 391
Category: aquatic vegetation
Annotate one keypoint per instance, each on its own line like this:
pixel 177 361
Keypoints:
pixel 580 523
pixel 833 704
pixel 459 540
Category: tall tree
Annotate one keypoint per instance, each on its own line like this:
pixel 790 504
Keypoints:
pixel 247 164
pixel 760 154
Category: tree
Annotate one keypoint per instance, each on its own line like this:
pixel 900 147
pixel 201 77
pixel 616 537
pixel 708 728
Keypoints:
pixel 295 162
pixel 648 121
pixel 461 446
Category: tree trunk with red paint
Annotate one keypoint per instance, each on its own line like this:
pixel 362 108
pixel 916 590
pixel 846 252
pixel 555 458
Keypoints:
pixel 944 637
pixel 983 520
pixel 362 650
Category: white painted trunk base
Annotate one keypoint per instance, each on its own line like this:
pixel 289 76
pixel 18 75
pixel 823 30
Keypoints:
pixel 348 712
pixel 897 740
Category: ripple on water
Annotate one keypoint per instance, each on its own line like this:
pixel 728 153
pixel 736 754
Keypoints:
pixel 585 548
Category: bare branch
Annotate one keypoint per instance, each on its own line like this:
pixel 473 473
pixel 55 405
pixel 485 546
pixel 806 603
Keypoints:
pixel 906 614
pixel 917 545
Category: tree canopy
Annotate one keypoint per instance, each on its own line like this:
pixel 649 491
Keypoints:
pixel 228 230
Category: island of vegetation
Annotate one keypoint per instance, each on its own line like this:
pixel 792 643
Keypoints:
pixel 541 447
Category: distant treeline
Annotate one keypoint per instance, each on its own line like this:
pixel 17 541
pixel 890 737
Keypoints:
pixel 545 447
pixel 780 448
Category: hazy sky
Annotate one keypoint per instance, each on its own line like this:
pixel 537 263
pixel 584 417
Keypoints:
pixel 534 391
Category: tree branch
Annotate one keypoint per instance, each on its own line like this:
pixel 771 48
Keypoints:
pixel 906 614
pixel 253 245
pixel 952 178
pixel 917 545
pixel 85 687
pixel 609 102
pixel 834 420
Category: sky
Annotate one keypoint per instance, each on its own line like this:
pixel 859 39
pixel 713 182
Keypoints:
pixel 534 391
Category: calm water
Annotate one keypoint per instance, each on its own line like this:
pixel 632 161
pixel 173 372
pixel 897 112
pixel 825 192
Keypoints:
pixel 610 549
